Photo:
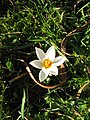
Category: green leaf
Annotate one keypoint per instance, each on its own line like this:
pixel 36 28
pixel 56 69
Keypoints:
pixel 10 66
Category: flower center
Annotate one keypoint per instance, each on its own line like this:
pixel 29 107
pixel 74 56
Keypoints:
pixel 47 63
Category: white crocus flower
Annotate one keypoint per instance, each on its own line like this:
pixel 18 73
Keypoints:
pixel 47 62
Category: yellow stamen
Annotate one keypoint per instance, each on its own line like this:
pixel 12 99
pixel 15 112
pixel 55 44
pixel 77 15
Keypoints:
pixel 47 63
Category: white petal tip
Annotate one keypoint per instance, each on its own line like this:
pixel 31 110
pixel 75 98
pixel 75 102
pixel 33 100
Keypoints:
pixel 30 63
pixel 36 64
pixel 42 75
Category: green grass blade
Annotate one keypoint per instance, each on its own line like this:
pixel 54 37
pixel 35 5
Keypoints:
pixel 23 105
pixel 83 7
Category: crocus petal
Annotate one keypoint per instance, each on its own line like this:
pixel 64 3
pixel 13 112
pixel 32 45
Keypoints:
pixel 42 75
pixel 53 70
pixel 36 64
pixel 50 53
pixel 59 60
pixel 40 53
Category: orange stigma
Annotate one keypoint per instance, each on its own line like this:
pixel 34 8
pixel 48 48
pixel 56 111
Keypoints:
pixel 47 63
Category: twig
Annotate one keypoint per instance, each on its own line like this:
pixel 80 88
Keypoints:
pixel 60 114
pixel 13 4
pixel 81 89
pixel 18 77
pixel 37 81
pixel 63 43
